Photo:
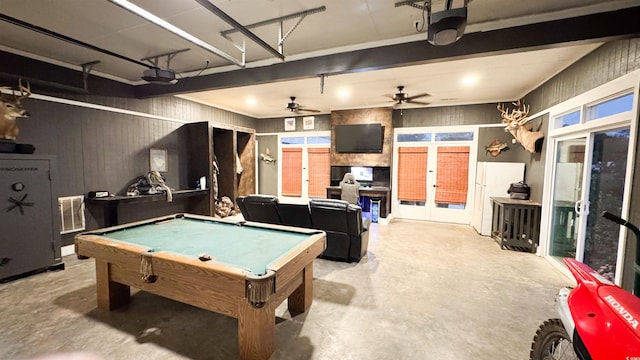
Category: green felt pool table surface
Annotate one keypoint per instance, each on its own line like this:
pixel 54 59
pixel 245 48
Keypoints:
pixel 247 247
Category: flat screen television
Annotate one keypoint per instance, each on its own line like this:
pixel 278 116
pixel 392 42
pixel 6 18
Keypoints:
pixel 361 138
pixel 362 173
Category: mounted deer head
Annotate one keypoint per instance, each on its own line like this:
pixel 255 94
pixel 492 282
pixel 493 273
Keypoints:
pixel 516 122
pixel 10 109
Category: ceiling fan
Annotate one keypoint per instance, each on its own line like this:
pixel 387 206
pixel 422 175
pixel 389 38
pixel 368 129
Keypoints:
pixel 295 107
pixel 401 97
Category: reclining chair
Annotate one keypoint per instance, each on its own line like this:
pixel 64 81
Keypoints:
pixel 259 208
pixel 295 215
pixel 347 232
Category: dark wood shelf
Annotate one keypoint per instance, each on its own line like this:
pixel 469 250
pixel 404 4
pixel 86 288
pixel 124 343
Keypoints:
pixel 110 204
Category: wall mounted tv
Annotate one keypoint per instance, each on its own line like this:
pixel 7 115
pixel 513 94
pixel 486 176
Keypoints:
pixel 361 138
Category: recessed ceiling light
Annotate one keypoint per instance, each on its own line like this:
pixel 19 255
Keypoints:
pixel 469 80
pixel 251 101
pixel 343 93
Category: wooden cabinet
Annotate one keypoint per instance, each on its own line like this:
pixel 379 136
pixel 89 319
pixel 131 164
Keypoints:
pixel 232 149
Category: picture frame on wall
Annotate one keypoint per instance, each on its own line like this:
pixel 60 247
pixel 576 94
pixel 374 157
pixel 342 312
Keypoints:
pixel 308 122
pixel 158 160
pixel 289 124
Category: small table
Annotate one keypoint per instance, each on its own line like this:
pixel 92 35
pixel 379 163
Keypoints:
pixel 253 268
pixel 515 224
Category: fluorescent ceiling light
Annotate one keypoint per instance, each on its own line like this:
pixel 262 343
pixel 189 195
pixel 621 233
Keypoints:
pixel 176 30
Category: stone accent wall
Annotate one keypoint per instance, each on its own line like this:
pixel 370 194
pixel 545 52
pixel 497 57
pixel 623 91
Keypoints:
pixel 363 116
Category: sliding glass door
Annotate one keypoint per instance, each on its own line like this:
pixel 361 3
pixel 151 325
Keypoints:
pixel 567 204
pixel 591 155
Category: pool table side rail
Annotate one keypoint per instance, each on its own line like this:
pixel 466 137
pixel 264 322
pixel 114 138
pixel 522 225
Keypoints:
pixel 210 286
pixel 288 266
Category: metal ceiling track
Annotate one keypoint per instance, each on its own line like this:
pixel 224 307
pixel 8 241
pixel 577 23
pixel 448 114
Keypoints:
pixel 238 27
pixel 279 20
pixel 155 59
pixel 426 4
pixel 134 9
pixel 68 39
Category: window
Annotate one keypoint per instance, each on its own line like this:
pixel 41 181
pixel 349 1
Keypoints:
pixel 569 119
pixel 299 140
pixel 610 107
pixel 420 137
pixel 318 140
pixel 455 136
pixel 71 214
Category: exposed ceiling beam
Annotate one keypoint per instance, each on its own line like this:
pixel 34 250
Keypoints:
pixel 50 78
pixel 589 28
pixel 600 27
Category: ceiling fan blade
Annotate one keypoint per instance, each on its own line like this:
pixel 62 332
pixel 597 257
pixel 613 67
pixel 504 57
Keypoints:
pixel 309 110
pixel 418 102
pixel 410 98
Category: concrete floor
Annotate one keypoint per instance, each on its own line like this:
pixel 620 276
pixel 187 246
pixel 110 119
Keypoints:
pixel 423 291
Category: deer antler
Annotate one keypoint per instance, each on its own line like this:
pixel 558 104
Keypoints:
pixel 25 92
pixel 517 117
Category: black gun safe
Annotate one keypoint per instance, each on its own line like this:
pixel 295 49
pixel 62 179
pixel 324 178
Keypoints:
pixel 29 225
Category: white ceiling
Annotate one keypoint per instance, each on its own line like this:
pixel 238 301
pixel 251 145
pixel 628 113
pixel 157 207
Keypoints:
pixel 498 78
pixel 343 26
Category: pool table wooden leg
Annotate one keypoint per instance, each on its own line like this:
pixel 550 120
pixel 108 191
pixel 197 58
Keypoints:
pixel 256 331
pixel 301 298
pixel 111 295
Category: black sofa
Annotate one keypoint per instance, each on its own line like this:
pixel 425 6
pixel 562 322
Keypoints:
pixel 347 231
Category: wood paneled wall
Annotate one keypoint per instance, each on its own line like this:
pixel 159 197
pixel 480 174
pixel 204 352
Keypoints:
pixel 106 150
pixel 275 125
pixel 610 61
pixel 447 116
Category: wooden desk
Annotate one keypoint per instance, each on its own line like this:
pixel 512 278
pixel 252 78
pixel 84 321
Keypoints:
pixel 376 192
pixel 515 224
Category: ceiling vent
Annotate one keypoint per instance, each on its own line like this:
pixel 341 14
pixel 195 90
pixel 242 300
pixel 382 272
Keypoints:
pixel 446 27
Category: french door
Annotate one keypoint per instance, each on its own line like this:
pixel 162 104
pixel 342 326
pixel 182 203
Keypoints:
pixel 304 167
pixel 432 174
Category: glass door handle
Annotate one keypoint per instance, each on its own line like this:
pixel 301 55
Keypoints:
pixel 577 207
pixel 582 207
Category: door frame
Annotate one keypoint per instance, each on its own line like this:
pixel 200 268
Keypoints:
pixel 430 212
pixel 624 84
pixel 304 198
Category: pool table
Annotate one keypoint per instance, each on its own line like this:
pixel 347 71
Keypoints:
pixel 242 270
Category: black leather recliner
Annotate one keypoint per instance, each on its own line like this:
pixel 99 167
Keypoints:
pixel 347 232
pixel 295 215
pixel 260 208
